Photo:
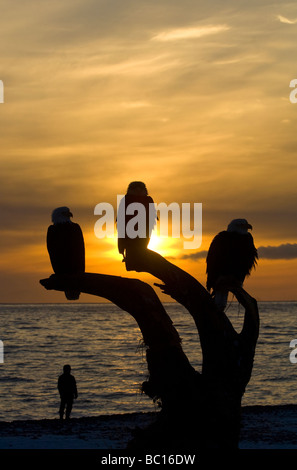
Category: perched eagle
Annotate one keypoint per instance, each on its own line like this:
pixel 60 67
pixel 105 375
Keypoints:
pixel 231 254
pixel 136 193
pixel 66 248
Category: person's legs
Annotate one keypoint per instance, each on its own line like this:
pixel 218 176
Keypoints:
pixel 62 407
pixel 69 404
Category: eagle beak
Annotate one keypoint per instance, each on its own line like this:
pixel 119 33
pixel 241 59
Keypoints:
pixel 249 226
pixel 70 214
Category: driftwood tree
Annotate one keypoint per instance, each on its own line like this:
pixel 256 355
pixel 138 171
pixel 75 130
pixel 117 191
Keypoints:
pixel 199 409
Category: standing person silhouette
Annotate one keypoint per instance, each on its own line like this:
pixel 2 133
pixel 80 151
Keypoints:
pixel 68 391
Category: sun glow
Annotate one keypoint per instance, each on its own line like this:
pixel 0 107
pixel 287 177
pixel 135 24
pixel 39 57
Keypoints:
pixel 165 246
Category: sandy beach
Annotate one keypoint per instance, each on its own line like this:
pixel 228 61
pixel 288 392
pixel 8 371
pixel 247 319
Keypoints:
pixel 263 427
pixel 268 437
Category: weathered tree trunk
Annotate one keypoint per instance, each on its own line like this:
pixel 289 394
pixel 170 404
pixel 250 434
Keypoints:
pixel 227 355
pixel 198 410
pixel 170 373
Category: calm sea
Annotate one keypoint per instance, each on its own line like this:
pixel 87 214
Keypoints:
pixel 103 345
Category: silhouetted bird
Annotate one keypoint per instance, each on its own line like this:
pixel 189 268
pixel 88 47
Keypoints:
pixel 66 248
pixel 136 193
pixel 232 254
pixel 68 391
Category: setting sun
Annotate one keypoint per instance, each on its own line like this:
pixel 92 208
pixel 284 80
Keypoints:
pixel 173 101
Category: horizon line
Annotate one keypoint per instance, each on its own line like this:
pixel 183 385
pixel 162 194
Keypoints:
pixel 110 302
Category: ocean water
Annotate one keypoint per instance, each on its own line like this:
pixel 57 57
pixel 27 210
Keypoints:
pixel 103 345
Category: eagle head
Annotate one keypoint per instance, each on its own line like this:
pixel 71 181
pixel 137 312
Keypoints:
pixel 61 215
pixel 239 226
pixel 137 188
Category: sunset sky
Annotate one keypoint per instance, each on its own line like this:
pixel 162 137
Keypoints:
pixel 191 97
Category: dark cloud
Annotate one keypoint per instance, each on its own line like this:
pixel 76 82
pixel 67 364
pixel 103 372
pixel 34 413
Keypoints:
pixel 198 255
pixel 193 256
pixel 284 251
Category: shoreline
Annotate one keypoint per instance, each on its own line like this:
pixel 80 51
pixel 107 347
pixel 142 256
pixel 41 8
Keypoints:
pixel 263 427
